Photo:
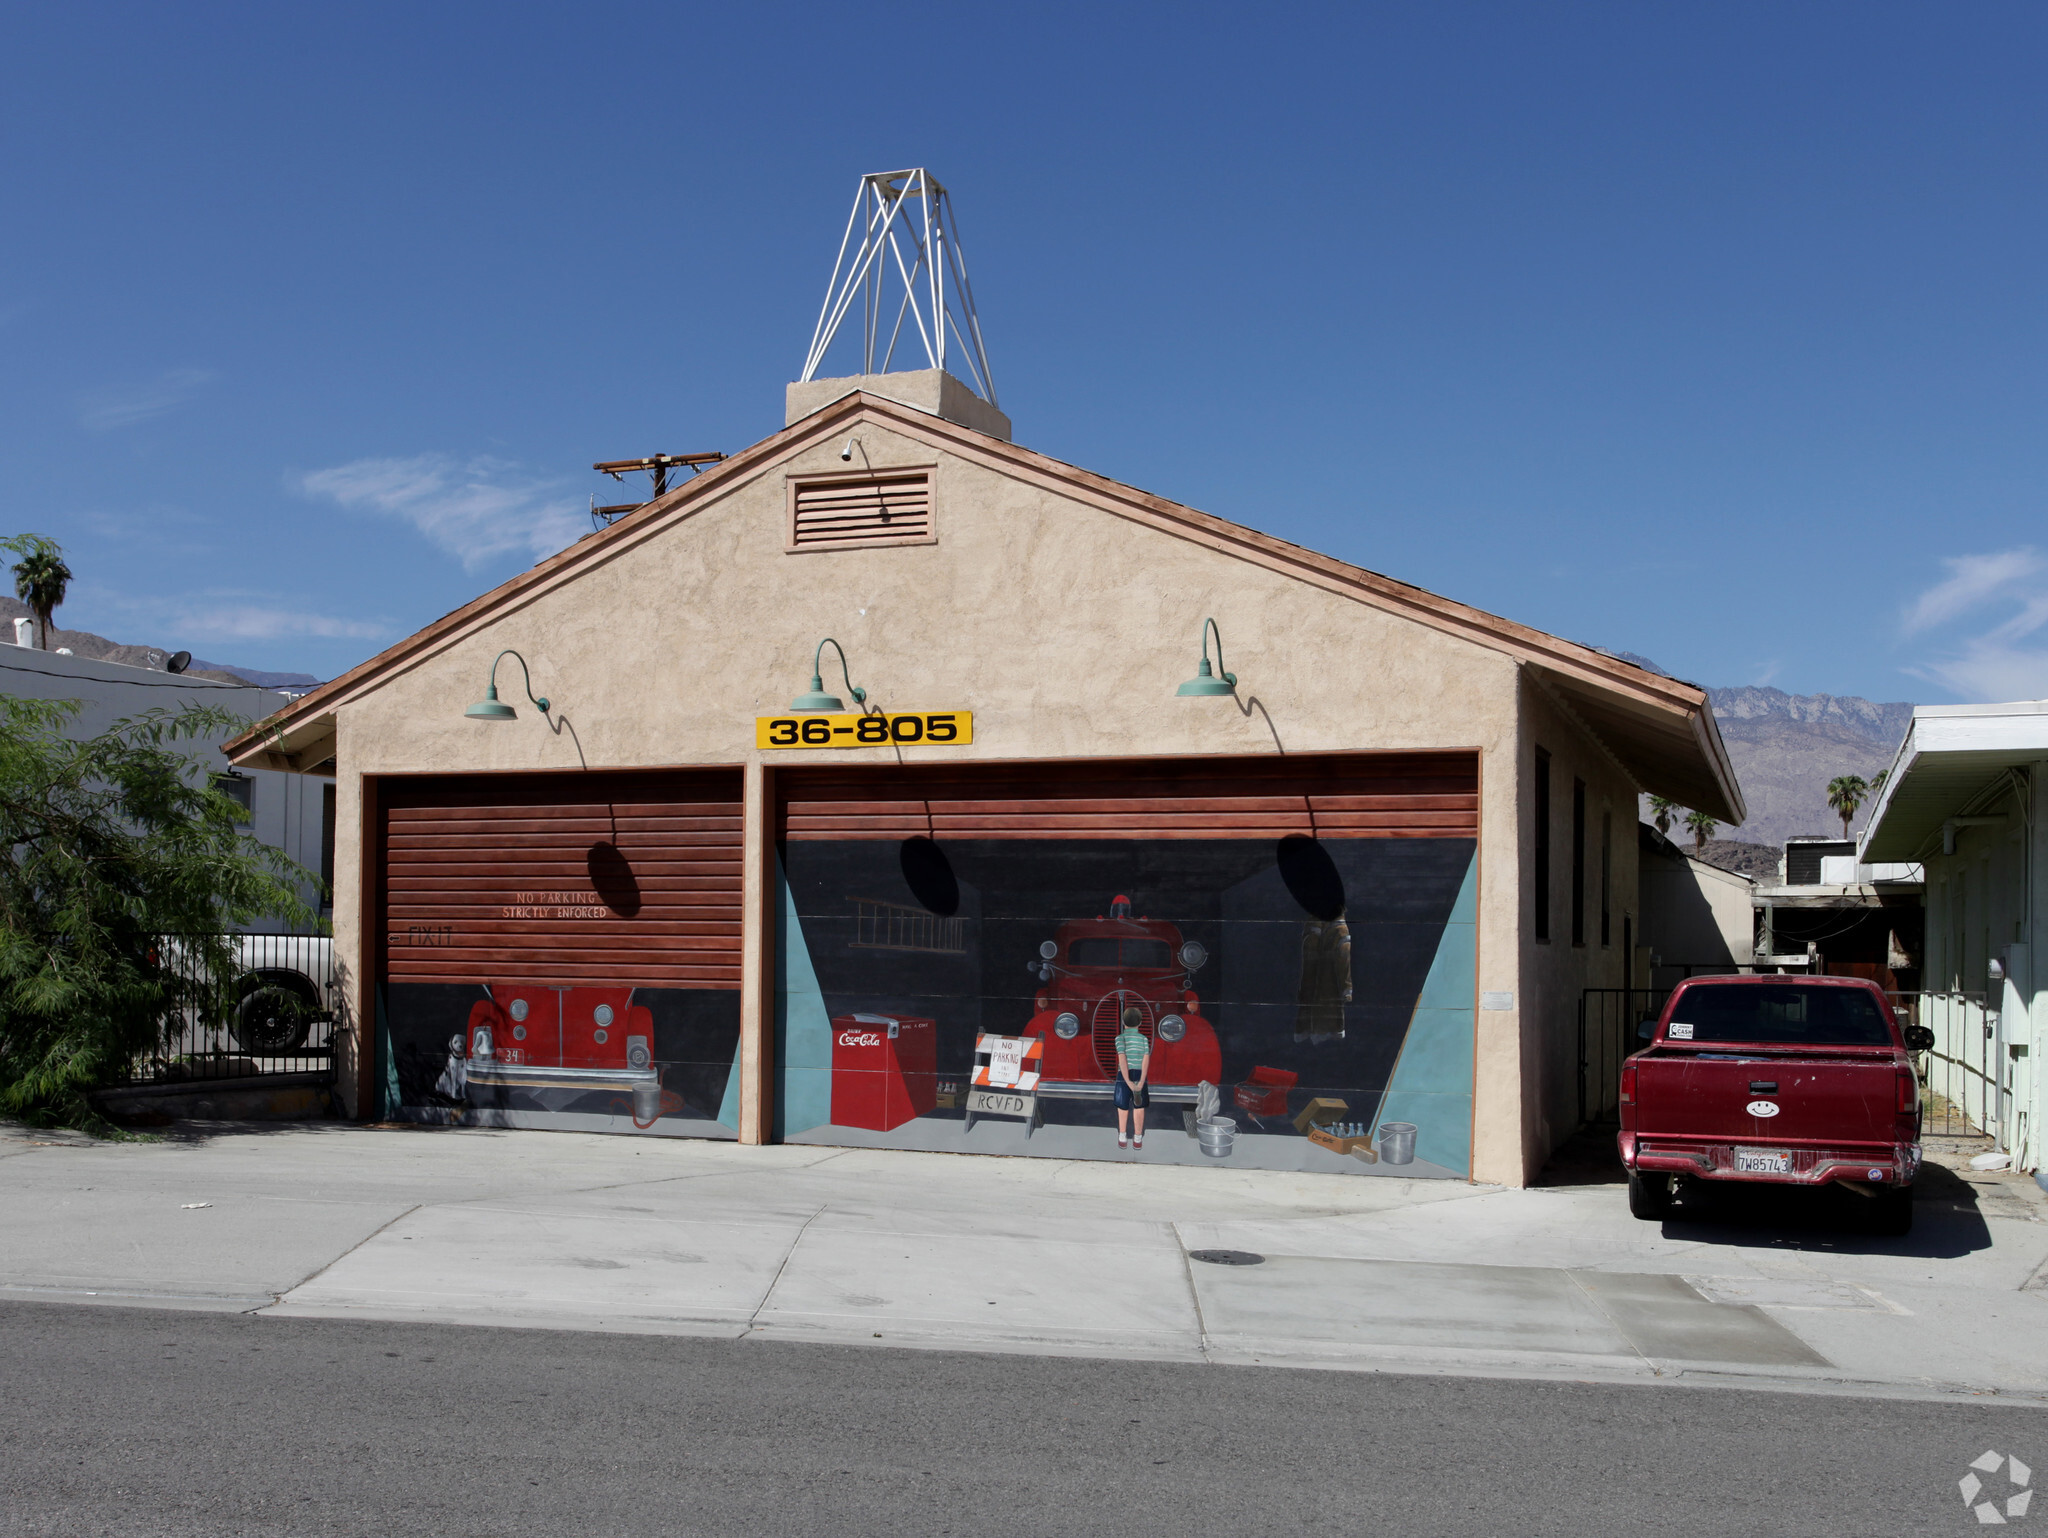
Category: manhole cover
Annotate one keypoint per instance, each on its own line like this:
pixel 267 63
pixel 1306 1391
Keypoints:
pixel 1228 1257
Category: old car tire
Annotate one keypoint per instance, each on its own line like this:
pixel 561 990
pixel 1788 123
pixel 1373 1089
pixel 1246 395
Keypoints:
pixel 1891 1213
pixel 272 1018
pixel 1649 1199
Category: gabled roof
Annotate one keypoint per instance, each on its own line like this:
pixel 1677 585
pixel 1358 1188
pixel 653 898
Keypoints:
pixel 1658 729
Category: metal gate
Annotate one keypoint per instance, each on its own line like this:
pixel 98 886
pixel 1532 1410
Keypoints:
pixel 1963 1085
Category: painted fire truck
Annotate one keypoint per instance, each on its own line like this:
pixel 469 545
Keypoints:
pixel 549 1047
pixel 1095 969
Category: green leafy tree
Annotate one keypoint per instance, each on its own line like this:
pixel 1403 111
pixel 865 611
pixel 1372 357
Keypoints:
pixel 1703 828
pixel 122 872
pixel 40 577
pixel 1846 793
pixel 1661 813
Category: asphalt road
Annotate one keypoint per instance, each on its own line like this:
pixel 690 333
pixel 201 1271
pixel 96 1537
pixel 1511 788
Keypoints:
pixel 123 1421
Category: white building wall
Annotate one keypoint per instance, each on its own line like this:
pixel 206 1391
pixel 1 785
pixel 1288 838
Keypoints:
pixel 286 810
pixel 1988 903
pixel 1696 914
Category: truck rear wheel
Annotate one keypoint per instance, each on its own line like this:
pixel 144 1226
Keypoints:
pixel 1649 1196
pixel 1891 1212
pixel 272 1018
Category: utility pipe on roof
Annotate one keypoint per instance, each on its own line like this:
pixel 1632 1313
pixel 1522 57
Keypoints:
pixel 1948 829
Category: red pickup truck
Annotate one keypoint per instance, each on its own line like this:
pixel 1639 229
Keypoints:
pixel 1803 1081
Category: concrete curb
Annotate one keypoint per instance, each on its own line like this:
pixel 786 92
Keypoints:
pixel 273 1097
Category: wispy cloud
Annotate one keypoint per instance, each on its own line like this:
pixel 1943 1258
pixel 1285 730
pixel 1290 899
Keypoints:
pixel 233 621
pixel 1999 654
pixel 477 510
pixel 125 405
pixel 148 526
pixel 1766 671
pixel 235 615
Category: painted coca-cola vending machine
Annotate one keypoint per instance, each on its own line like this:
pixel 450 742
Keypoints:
pixel 884 1070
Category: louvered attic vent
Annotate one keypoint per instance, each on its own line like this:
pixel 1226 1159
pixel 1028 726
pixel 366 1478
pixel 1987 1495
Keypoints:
pixel 857 512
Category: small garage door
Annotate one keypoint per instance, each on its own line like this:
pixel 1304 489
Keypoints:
pixel 1292 938
pixel 563 946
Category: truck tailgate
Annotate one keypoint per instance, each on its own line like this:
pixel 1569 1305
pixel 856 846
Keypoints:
pixel 1726 1097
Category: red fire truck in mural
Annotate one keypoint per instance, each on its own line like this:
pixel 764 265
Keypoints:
pixel 550 1047
pixel 1092 970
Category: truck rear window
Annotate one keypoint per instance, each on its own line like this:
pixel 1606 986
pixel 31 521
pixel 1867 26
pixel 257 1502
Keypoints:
pixel 1790 1015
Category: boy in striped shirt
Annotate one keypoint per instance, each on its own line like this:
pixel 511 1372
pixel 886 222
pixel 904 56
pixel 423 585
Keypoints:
pixel 1134 1063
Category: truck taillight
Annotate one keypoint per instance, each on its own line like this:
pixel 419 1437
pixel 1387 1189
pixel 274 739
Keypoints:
pixel 1909 1092
pixel 1628 1083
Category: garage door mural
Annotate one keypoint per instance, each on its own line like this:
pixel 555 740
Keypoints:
pixel 562 951
pixel 971 961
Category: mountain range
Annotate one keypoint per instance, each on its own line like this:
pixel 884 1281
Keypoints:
pixel 1786 747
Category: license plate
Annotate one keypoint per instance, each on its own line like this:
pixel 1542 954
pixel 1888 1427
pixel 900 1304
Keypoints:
pixel 1760 1161
pixel 989 1102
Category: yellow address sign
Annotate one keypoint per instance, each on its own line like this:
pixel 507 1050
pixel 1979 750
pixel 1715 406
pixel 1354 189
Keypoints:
pixel 902 729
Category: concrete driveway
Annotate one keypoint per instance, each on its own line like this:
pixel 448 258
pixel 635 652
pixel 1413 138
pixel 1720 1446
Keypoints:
pixel 1133 1260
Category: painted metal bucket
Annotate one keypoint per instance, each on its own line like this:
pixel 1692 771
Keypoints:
pixel 1396 1141
pixel 647 1102
pixel 1217 1136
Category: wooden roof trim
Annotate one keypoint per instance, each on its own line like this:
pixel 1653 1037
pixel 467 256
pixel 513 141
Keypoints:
pixel 1563 706
pixel 1707 733
pixel 1477 625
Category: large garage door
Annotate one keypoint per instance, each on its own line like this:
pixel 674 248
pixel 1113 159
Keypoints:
pixel 1386 796
pixel 1293 940
pixel 563 950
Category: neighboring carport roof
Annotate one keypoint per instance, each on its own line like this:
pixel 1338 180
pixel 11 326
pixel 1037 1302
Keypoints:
pixel 1659 730
pixel 1953 757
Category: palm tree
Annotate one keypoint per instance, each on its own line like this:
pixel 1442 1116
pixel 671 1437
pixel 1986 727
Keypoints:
pixel 1703 828
pixel 40 578
pixel 1847 792
pixel 1661 812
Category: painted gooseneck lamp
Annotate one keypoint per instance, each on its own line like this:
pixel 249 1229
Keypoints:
pixel 1206 683
pixel 815 698
pixel 491 708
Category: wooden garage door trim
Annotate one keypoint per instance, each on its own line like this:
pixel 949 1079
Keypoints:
pixel 1378 795
pixel 498 879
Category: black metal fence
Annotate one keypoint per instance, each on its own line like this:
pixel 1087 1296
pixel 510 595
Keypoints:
pixel 273 1014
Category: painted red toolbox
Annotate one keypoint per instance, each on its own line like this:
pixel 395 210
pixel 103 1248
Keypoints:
pixel 884 1070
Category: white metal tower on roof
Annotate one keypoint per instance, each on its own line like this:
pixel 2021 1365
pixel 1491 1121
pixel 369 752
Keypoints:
pixel 909 244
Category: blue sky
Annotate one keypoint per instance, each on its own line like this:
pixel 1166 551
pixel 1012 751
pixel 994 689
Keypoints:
pixel 1712 333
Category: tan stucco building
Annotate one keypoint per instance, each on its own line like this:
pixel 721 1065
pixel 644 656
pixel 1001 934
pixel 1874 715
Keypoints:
pixel 1330 913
